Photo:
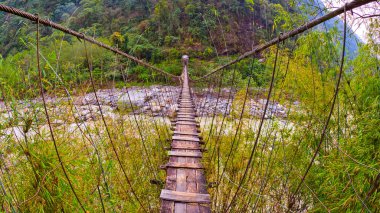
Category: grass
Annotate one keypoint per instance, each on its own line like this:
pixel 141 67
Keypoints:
pixel 34 180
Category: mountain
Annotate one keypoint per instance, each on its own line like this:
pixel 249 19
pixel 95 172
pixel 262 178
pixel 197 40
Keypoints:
pixel 352 41
pixel 158 29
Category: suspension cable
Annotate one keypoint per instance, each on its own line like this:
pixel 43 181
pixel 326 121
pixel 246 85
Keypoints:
pixel 259 131
pixel 239 123
pixel 56 26
pixel 107 129
pixel 48 117
pixel 331 109
pixel 292 33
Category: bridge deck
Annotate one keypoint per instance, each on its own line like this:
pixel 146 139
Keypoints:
pixel 185 189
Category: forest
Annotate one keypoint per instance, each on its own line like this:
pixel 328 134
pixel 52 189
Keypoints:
pixel 292 128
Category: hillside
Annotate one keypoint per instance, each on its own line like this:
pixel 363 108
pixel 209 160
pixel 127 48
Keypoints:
pixel 153 29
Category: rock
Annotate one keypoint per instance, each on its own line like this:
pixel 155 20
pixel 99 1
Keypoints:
pixel 106 108
pixel 156 108
pixel 146 108
pixel 85 112
pixel 58 122
pixel 110 115
pixel 262 101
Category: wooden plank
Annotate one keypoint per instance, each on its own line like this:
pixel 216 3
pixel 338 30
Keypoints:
pixel 201 182
pixel 185 119
pixel 204 209
pixel 191 181
pixel 192 124
pixel 191 120
pixel 186 106
pixel 184 197
pixel 180 207
pixel 191 111
pixel 192 185
pixel 192 207
pixel 188 111
pixel 171 178
pixel 181 185
pixel 167 206
pixel 185 138
pixel 185 113
pixel 184 166
pixel 186 133
pixel 181 177
pixel 186 123
pixel 190 147
pixel 185 154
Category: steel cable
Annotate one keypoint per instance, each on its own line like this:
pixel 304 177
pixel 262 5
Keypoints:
pixel 292 33
pixel 107 129
pixel 323 134
pixel 259 131
pixel 48 117
pixel 56 26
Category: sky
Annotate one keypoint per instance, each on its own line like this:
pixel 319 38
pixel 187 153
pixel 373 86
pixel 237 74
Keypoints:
pixel 358 25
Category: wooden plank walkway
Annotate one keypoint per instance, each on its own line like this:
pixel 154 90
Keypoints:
pixel 185 188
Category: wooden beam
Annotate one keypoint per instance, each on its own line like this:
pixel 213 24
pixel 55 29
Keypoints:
pixel 185 154
pixel 186 133
pixel 185 138
pixel 184 197
pixel 184 165
pixel 190 147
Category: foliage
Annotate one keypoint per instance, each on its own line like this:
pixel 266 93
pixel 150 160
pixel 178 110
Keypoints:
pixel 343 178
pixel 345 174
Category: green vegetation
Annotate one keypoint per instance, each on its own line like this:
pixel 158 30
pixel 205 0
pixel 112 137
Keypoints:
pixel 158 32
pixel 35 183
pixel 344 177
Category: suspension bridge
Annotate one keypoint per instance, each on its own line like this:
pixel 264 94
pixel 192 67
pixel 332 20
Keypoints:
pixel 185 188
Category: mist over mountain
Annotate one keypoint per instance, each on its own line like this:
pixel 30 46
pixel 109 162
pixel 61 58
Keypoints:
pixel 352 41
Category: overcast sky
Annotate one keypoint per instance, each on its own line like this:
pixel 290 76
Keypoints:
pixel 358 25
